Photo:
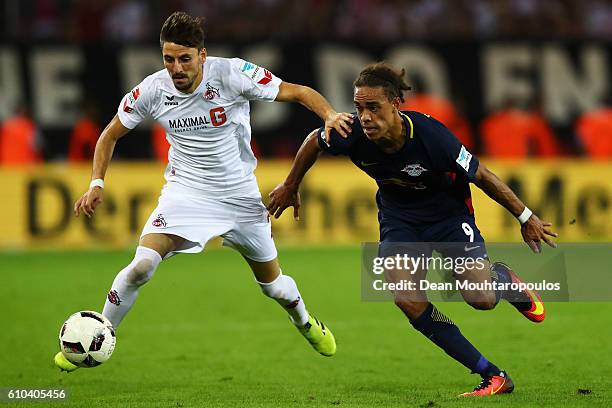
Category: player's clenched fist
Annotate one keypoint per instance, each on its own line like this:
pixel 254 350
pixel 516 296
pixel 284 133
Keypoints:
pixel 89 201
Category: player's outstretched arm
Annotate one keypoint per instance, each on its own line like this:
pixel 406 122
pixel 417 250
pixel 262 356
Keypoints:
pixel 314 101
pixel 105 146
pixel 286 194
pixel 533 229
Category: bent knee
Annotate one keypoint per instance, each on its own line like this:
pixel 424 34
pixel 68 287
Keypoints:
pixel 272 292
pixel 486 302
pixel 411 308
pixel 141 272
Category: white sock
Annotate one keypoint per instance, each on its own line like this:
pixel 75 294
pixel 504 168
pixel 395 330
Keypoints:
pixel 284 290
pixel 124 291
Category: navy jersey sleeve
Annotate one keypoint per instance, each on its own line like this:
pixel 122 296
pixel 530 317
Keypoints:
pixel 337 144
pixel 446 150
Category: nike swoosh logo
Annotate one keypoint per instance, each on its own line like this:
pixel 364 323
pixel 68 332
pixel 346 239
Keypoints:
pixel 468 249
pixel 493 392
pixel 364 164
pixel 539 306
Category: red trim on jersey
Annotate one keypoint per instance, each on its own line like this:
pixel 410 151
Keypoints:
pixel 468 202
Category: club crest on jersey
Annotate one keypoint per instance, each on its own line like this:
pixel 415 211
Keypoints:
pixel 211 92
pixel 130 100
pixel 113 297
pixel 414 170
pixel 159 221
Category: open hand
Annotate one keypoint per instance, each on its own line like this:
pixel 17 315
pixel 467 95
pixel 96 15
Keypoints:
pixel 284 196
pixel 535 231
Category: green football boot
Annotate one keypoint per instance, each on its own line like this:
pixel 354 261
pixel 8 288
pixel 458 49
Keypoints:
pixel 63 364
pixel 319 336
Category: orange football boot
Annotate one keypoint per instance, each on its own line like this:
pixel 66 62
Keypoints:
pixel 493 385
pixel 530 303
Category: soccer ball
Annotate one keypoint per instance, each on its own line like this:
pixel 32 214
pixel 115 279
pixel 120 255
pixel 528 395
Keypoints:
pixel 87 339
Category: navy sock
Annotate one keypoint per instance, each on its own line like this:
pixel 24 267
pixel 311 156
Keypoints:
pixel 446 335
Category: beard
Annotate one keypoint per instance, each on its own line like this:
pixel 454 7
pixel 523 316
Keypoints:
pixel 184 86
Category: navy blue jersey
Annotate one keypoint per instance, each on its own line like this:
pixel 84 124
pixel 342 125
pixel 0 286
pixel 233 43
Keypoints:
pixel 426 181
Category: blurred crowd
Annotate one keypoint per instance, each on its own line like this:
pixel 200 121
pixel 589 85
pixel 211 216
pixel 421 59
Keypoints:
pixel 363 20
pixel 359 21
pixel 509 133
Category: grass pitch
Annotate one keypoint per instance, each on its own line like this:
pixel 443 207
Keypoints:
pixel 202 334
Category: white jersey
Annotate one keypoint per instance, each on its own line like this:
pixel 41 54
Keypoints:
pixel 209 130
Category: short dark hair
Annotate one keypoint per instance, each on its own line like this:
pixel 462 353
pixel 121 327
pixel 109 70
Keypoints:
pixel 381 74
pixel 183 29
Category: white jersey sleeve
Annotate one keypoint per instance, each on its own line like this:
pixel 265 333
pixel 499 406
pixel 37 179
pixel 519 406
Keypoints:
pixel 252 81
pixel 136 104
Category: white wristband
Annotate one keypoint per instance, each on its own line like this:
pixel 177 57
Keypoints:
pixel 525 215
pixel 96 183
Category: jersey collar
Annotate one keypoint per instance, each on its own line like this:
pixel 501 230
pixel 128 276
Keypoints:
pixel 205 70
pixel 409 124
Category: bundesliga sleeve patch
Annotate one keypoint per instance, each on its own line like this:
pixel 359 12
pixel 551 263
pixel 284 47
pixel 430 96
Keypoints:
pixel 464 158
pixel 130 100
pixel 322 137
pixel 256 73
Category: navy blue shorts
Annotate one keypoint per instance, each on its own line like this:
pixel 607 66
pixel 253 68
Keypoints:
pixel 453 237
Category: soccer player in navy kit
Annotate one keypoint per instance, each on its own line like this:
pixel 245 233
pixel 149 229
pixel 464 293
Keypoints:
pixel 423 174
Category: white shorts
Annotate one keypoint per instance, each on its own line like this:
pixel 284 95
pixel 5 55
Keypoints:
pixel 242 222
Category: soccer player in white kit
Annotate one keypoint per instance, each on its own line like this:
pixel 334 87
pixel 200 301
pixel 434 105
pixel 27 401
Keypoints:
pixel 203 104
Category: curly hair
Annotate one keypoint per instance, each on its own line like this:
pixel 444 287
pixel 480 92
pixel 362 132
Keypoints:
pixel 381 74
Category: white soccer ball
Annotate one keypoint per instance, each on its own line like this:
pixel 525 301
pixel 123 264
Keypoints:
pixel 87 339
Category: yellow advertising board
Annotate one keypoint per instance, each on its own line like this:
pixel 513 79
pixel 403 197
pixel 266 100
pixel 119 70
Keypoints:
pixel 337 203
